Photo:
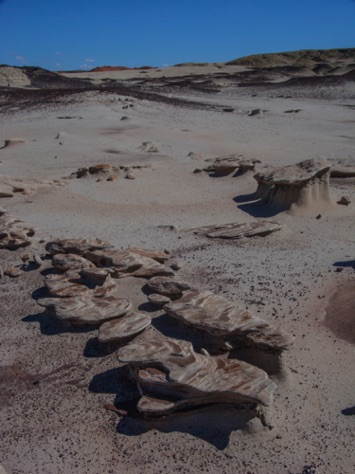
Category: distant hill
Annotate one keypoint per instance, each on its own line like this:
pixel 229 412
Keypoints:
pixel 309 58
pixel 119 68
pixel 37 77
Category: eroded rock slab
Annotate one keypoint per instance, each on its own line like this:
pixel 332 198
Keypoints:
pixel 171 376
pixel 87 306
pixel 76 246
pixel 236 230
pixel 218 317
pixel 14 233
pixel 69 261
pixel 171 287
pixel 302 185
pixel 226 165
pixel 124 328
pixel 130 262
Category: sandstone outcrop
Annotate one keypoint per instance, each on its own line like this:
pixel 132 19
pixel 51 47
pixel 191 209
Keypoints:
pixel 301 185
pixel 171 287
pixel 226 165
pixel 69 261
pixel 87 306
pixel 14 232
pixel 220 318
pixel 158 300
pixel 236 231
pixel 76 246
pixel 339 171
pixel 119 330
pixel 171 376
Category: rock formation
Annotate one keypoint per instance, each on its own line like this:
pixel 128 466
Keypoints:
pixel 78 304
pixel 302 185
pixel 171 376
pixel 119 330
pixel 226 165
pixel 218 317
pixel 171 287
pixel 14 232
pixel 237 231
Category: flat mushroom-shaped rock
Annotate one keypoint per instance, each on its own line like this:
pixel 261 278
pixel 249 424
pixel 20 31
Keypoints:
pixel 76 246
pixel 129 326
pixel 236 231
pixel 158 300
pixel 218 317
pixel 64 286
pixel 302 185
pixel 230 164
pixel 90 307
pixel 129 263
pixel 14 232
pixel 171 287
pixel 172 375
pixel 70 261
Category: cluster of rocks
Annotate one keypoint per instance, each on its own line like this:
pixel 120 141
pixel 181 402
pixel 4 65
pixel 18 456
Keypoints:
pixel 108 172
pixel 84 290
pixel 226 165
pixel 14 233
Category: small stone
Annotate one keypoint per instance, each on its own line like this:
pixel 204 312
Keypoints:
pixel 159 300
pixel 25 257
pixel 318 216
pixel 344 201
pixel 176 265
pixel 12 272
pixel 100 178
pixel 112 177
pixel 37 260
pixel 130 176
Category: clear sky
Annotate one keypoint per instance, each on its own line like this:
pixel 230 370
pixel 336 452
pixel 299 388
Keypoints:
pixel 79 34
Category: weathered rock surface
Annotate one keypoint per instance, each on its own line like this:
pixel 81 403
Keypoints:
pixel 69 261
pixel 344 201
pixel 158 300
pixel 76 246
pixel 171 376
pixel 237 231
pixel 225 165
pixel 124 328
pixel 218 317
pixel 131 262
pixel 302 184
pixel 14 233
pixel 84 305
pixel 171 287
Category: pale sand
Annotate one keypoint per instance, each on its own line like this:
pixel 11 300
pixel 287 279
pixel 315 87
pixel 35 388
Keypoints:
pixel 54 382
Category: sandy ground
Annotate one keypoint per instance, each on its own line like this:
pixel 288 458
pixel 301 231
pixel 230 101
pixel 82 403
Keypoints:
pixel 55 381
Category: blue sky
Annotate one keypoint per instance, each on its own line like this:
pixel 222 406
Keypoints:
pixel 78 34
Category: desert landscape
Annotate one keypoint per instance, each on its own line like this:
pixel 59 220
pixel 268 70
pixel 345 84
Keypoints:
pixel 177 267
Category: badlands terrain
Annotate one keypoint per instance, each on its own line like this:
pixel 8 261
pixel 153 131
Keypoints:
pixel 177 267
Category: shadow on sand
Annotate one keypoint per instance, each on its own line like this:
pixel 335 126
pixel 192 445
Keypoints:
pixel 213 424
pixel 252 204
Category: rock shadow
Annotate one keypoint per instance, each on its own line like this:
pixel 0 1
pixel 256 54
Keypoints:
pixel 348 411
pixel 270 362
pixel 171 328
pixel 50 325
pixel 347 263
pixel 255 206
pixel 213 424
pixel 95 348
